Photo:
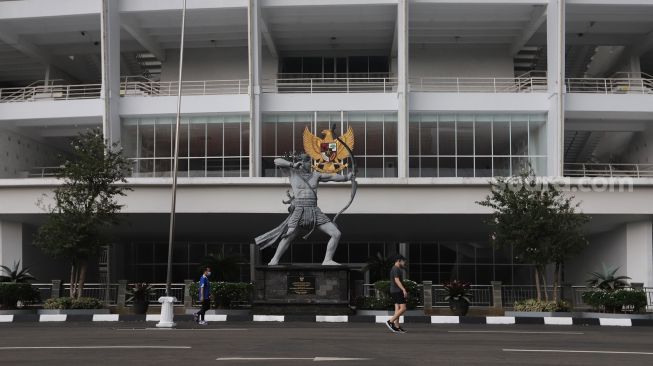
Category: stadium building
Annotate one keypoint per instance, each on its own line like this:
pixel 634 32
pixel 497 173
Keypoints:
pixel 441 95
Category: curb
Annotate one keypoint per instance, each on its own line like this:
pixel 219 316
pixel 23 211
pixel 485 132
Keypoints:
pixel 488 320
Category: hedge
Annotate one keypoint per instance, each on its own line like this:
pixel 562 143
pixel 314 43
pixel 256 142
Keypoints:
pixel 11 293
pixel 383 301
pixel 64 303
pixel 541 306
pixel 616 301
pixel 225 295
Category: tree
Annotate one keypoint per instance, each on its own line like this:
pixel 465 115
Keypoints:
pixel 538 221
pixel 224 268
pixel 84 205
pixel 379 267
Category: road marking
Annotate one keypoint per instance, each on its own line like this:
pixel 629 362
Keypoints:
pixel 438 319
pixel 576 351
pixel 553 320
pixel 511 332
pixel 105 317
pixel 615 322
pixel 6 318
pixel 52 317
pixel 152 317
pixel 95 347
pixel 268 318
pixel 186 329
pixel 500 320
pixel 380 319
pixel 314 359
pixel 331 318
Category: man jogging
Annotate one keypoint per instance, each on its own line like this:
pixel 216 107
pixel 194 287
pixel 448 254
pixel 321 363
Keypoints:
pixel 398 293
pixel 204 296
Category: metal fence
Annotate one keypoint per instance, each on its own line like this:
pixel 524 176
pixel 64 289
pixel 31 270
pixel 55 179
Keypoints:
pixel 481 295
pixel 610 85
pixel 138 86
pixel 478 85
pixel 50 92
pixel 330 85
pixel 99 291
pixel 608 170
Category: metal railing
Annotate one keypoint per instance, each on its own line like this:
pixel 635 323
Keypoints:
pixel 528 84
pixel 608 170
pixel 140 86
pixel 50 92
pixel 370 84
pixel 610 85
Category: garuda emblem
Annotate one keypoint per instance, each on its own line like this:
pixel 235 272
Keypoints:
pixel 328 153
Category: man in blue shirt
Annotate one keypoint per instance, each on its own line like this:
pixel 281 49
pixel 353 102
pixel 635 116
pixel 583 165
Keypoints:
pixel 204 296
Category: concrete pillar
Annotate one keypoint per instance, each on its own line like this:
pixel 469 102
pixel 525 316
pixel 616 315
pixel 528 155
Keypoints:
pixel 254 51
pixel 402 88
pixel 427 290
pixel 555 30
pixel 188 297
pixel 497 295
pixel 56 289
pixel 639 252
pixel 403 250
pixel 110 94
pixel 11 244
pixel 253 261
pixel 121 298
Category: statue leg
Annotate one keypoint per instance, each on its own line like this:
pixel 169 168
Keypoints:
pixel 283 246
pixel 332 230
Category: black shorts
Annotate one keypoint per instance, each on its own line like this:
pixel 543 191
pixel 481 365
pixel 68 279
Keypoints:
pixel 398 297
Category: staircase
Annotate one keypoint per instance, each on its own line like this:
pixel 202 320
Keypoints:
pixel 581 145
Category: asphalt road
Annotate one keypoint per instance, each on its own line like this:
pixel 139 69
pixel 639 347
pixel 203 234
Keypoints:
pixel 291 344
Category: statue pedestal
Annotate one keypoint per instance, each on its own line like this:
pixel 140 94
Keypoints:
pixel 302 289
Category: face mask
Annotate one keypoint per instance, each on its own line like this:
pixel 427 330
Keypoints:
pixel 208 274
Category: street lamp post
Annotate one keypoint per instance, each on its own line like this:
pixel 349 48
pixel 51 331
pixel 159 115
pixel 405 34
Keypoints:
pixel 167 302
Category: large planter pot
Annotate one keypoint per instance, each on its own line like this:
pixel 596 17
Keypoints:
pixel 140 307
pixel 459 307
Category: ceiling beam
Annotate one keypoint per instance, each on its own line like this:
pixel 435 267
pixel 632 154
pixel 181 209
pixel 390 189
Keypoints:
pixel 267 36
pixel 538 17
pixel 35 52
pixel 130 26
pixel 637 49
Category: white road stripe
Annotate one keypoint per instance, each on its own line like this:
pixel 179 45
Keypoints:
pixel 558 320
pixel 215 317
pixel 52 317
pixel 512 332
pixel 95 347
pixel 314 359
pixel 331 318
pixel 6 318
pixel 185 329
pixel 152 317
pixel 500 320
pixel 268 318
pixel 576 351
pixel 385 318
pixel 106 317
pixel 615 322
pixel 445 320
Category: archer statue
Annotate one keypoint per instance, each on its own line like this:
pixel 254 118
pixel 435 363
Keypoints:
pixel 323 160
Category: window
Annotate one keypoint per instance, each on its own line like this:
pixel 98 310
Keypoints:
pixel 209 146
pixel 476 145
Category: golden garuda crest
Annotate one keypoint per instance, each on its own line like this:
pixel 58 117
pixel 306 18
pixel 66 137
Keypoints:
pixel 328 153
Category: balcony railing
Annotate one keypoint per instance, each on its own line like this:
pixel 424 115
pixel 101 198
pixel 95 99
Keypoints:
pixel 608 170
pixel 610 86
pixel 50 92
pixel 330 83
pixel 478 85
pixel 139 86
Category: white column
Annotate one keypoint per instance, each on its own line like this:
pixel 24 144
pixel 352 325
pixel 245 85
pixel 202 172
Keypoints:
pixel 555 30
pixel 639 252
pixel 110 95
pixel 402 88
pixel 254 35
pixel 11 243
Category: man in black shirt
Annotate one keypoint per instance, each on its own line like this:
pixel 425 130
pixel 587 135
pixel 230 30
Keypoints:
pixel 398 293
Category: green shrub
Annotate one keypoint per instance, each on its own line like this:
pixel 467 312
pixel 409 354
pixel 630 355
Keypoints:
pixel 373 303
pixel 64 303
pixel 617 300
pixel 11 293
pixel 383 292
pixel 534 305
pixel 226 295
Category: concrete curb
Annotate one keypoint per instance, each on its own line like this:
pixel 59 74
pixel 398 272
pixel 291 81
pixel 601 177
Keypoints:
pixel 489 320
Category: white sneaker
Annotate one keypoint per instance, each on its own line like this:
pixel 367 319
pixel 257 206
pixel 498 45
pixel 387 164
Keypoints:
pixel 202 322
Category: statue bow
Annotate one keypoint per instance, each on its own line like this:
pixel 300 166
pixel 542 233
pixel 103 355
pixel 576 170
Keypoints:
pixel 354 184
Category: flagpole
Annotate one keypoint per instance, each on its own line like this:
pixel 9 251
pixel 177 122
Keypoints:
pixel 175 165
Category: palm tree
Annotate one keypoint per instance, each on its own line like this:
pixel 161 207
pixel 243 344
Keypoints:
pixel 606 280
pixel 379 267
pixel 15 275
pixel 225 268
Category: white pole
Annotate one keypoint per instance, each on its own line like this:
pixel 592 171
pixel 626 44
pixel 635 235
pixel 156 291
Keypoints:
pixel 167 302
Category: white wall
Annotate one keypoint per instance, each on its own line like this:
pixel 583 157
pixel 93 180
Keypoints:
pixel 639 251
pixel 460 61
pixel 18 154
pixel 608 248
pixel 11 243
pixel 215 64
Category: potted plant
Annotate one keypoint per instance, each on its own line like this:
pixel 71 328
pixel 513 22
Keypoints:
pixel 458 295
pixel 140 295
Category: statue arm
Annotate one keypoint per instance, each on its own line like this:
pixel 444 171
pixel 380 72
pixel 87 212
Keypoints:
pixel 283 163
pixel 334 177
